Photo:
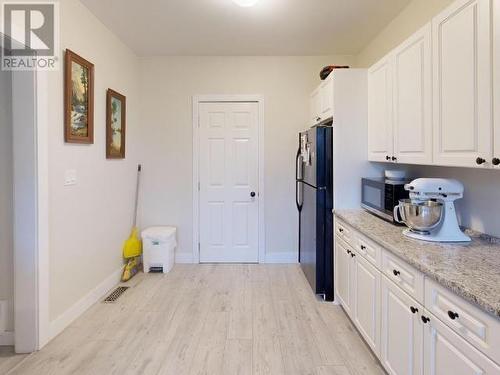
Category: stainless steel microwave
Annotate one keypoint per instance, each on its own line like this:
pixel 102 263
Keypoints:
pixel 379 196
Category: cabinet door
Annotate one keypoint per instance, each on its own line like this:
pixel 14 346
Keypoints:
pixel 327 98
pixel 447 353
pixel 380 132
pixel 401 351
pixel 463 121
pixel 343 279
pixel 366 301
pixel 316 106
pixel 413 98
pixel 496 81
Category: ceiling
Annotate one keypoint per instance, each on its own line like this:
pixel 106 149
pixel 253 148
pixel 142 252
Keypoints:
pixel 220 27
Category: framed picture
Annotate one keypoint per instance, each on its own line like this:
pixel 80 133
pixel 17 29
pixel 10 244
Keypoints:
pixel 78 99
pixel 115 125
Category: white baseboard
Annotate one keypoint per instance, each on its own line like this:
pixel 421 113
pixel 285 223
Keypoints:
pixel 183 258
pixel 7 338
pixel 281 257
pixel 289 257
pixel 70 315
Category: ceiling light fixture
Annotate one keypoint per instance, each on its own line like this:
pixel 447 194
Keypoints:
pixel 246 3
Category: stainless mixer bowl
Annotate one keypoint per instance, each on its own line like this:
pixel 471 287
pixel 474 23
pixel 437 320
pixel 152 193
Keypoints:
pixel 420 216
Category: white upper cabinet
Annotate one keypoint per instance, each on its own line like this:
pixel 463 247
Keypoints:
pixel 326 93
pixel 316 106
pixel 412 98
pixel 496 82
pixel 322 101
pixel 380 127
pixel 462 90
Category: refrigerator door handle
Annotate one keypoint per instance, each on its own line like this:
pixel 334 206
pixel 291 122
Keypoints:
pixel 299 199
pixel 298 178
pixel 298 166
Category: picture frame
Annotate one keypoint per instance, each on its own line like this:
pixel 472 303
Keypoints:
pixel 78 99
pixel 116 124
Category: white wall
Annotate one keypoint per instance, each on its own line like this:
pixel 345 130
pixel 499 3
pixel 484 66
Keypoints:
pixel 167 87
pixel 481 203
pixel 6 199
pixel 89 221
pixel 416 14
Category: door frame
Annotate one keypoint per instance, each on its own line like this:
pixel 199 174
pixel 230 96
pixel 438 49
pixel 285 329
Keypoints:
pixel 197 100
pixel 31 228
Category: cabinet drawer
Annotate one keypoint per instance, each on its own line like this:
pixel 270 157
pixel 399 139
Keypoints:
pixel 403 275
pixel 344 232
pixel 369 250
pixel 476 326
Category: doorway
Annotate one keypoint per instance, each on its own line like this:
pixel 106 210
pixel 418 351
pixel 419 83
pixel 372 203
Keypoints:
pixel 24 158
pixel 228 193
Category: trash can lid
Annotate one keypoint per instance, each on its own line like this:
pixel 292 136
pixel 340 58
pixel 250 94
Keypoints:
pixel 159 232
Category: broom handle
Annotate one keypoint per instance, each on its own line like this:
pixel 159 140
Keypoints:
pixel 139 167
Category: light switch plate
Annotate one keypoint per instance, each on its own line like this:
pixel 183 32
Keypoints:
pixel 70 177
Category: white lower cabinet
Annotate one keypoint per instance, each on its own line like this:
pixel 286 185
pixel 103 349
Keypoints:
pixel 343 271
pixel 401 350
pixel 412 335
pixel 365 305
pixel 447 353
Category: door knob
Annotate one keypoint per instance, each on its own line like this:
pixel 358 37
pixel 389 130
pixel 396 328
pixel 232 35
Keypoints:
pixel 387 157
pixel 252 194
pixel 480 161
pixel 495 161
pixel 394 158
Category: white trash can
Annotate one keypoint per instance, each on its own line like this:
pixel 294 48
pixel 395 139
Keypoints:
pixel 158 249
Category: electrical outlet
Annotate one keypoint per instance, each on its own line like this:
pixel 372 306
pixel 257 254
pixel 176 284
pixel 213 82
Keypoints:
pixel 70 177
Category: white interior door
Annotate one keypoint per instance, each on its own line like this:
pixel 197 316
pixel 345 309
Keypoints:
pixel 229 178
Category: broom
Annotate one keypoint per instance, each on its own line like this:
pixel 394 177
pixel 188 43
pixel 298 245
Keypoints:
pixel 132 248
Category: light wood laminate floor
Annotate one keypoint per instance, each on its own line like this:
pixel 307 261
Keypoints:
pixel 8 359
pixel 210 319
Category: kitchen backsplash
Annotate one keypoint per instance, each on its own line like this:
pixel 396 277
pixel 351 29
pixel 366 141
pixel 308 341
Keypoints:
pixel 480 207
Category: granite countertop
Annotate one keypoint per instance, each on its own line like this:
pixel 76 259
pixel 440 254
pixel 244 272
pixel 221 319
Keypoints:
pixel 471 270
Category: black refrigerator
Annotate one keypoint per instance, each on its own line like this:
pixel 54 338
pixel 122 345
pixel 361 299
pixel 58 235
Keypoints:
pixel 314 199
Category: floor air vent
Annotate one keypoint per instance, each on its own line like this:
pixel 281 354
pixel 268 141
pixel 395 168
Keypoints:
pixel 115 294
